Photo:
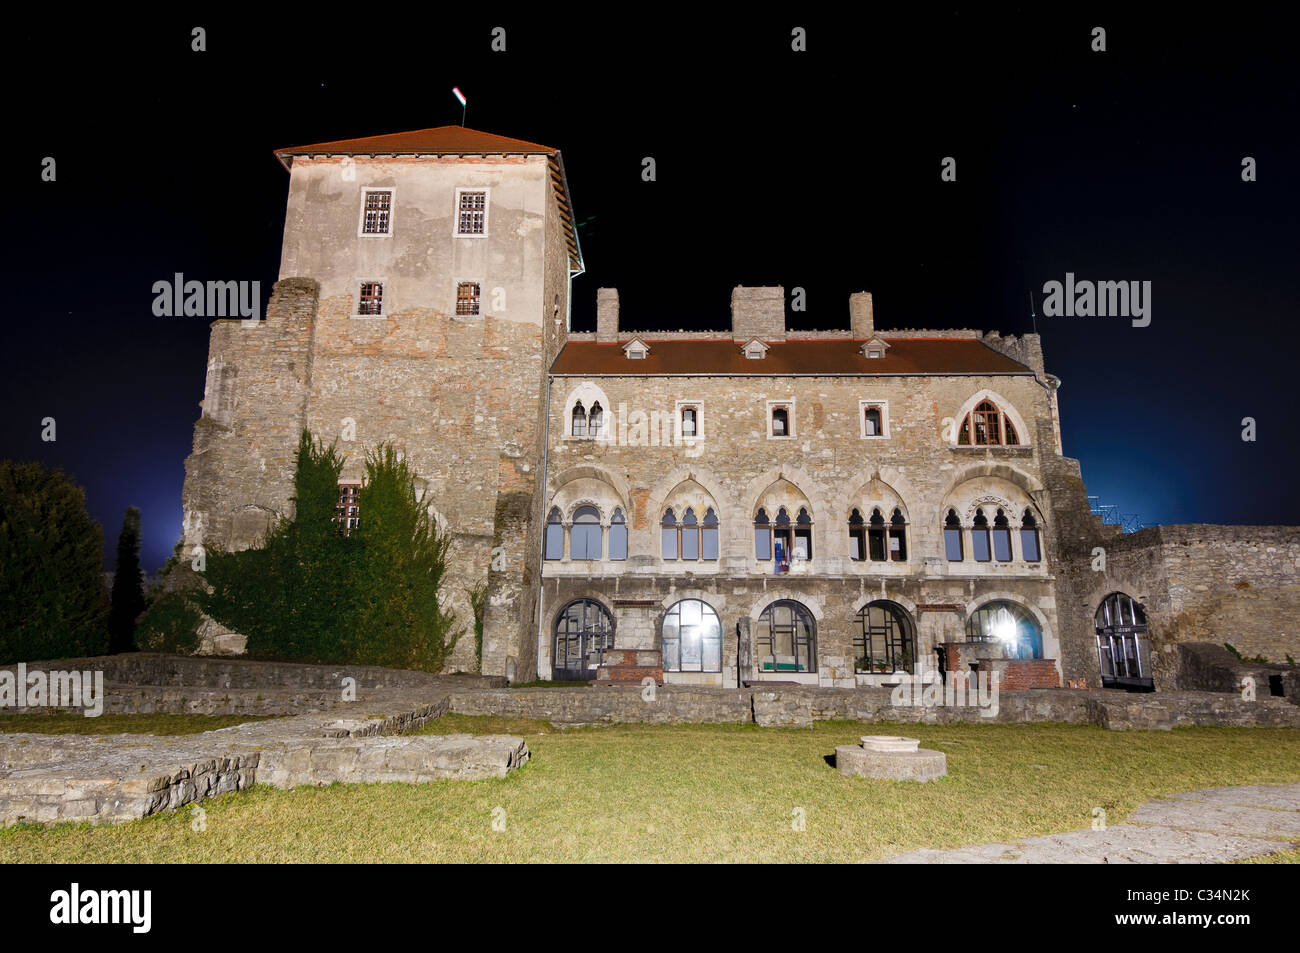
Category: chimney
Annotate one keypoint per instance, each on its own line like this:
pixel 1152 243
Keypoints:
pixel 758 313
pixel 862 319
pixel 607 315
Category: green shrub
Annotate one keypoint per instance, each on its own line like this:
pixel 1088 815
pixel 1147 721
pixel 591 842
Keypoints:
pixel 52 601
pixel 311 593
pixel 171 624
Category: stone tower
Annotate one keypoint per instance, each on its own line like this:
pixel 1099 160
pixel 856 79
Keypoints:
pixel 423 293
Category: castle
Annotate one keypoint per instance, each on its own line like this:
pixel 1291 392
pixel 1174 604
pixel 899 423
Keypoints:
pixel 831 508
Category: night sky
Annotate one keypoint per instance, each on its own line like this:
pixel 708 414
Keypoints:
pixel 818 169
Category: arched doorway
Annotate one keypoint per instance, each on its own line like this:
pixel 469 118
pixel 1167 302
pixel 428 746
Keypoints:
pixel 583 631
pixel 785 639
pixel 883 640
pixel 1123 651
pixel 1013 625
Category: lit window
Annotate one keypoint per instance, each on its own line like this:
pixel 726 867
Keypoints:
pixel 472 213
pixel 691 638
pixel 987 426
pixel 371 300
pixel 802 536
pixel 467 298
pixel 1008 623
pixel 376 212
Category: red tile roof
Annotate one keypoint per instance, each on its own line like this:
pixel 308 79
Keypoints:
pixel 453 140
pixel 803 357
pixel 439 140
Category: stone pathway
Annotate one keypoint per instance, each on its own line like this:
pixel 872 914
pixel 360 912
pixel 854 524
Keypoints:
pixel 1210 826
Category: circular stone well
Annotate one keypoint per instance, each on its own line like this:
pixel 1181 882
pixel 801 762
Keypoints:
pixel 890 757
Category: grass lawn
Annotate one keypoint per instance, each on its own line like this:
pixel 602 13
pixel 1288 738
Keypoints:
pixel 699 793
pixel 46 722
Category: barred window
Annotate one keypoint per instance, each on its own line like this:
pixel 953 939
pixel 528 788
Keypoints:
pixel 472 213
pixel 376 213
pixel 372 298
pixel 467 298
pixel 347 512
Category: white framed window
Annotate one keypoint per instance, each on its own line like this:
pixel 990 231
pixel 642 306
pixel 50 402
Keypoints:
pixel 690 419
pixel 472 213
pixel 873 419
pixel 780 419
pixel 376 213
pixel 469 296
pixel 370 299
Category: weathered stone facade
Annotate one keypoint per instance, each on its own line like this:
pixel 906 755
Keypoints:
pixel 780 425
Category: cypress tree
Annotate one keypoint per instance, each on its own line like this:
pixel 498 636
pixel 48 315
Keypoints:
pixel 128 586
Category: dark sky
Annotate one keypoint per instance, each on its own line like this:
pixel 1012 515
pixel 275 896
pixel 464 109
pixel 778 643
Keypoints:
pixel 817 170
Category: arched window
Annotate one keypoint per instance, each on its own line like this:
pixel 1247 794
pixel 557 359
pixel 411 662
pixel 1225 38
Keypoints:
pixel 883 641
pixel 691 638
pixel 709 536
pixel 1008 623
pixel 1001 538
pixel 595 419
pixel 781 540
pixel 690 534
pixel 1122 646
pixel 876 537
pixel 857 537
pixel 668 534
pixel 952 538
pixel 584 536
pixel 979 538
pixel 1120 609
pixel 554 535
pixel 987 426
pixel 579 420
pixel 617 536
pixel 803 549
pixel 762 535
pixel 898 536
pixel 583 631
pixel 785 639
pixel 1030 551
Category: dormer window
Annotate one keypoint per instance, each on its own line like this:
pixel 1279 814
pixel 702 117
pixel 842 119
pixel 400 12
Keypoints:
pixel 755 350
pixel 636 349
pixel 875 348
